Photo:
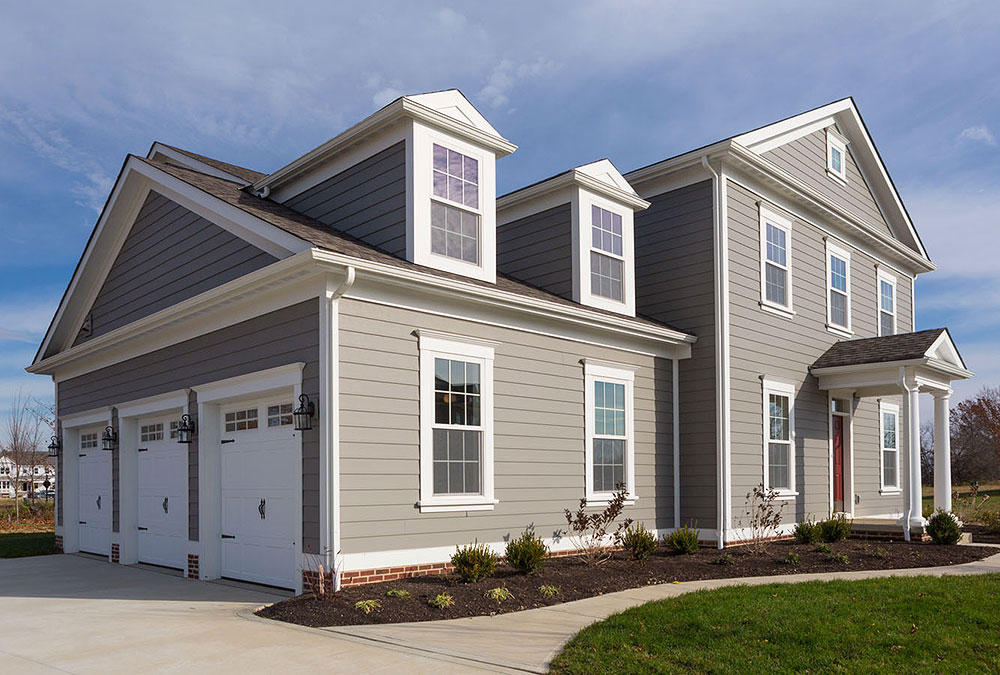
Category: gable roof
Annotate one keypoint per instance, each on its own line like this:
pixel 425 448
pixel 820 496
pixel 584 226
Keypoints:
pixel 934 343
pixel 204 164
pixel 601 177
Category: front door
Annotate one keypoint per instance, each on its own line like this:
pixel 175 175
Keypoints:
pixel 838 463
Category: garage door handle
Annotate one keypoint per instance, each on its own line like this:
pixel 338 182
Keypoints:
pixel 227 440
pixel 166 501
pixel 82 522
pixel 229 536
pixel 142 529
pixel 262 509
pixel 142 449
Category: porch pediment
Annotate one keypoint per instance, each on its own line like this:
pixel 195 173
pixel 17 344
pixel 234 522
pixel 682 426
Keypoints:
pixel 884 366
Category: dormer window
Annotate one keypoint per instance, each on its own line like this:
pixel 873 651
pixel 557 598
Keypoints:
pixel 836 155
pixel 607 262
pixel 455 214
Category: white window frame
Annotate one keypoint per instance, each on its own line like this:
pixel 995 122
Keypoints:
pixel 600 371
pixel 893 409
pixel 434 345
pixel 583 240
pixel 881 276
pixel 780 389
pixel 832 250
pixel 420 176
pixel 835 140
pixel 769 216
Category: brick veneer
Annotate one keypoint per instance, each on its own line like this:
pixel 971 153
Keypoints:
pixel 192 571
pixel 361 577
pixel 115 553
pixel 59 544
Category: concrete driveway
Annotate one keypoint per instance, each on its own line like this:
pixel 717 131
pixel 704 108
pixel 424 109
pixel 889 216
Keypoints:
pixel 68 613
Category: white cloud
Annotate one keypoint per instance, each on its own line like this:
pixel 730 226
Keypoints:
pixel 385 96
pixel 25 319
pixel 979 133
pixel 507 74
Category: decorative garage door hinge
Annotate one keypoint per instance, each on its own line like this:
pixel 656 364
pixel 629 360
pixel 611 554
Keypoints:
pixel 141 528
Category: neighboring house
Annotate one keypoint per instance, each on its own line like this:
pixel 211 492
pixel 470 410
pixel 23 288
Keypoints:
pixel 476 364
pixel 29 478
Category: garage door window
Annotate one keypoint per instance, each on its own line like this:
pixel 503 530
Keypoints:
pixel 88 441
pixel 456 431
pixel 241 420
pixel 151 432
pixel 279 415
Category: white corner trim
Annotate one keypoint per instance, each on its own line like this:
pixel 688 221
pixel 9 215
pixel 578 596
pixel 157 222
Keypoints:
pixel 87 418
pixel 282 377
pixel 161 403
pixel 603 372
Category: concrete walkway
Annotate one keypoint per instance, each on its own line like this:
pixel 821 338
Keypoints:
pixel 67 613
pixel 529 640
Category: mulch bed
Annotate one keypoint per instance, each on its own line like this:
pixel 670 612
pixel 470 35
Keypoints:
pixel 576 580
pixel 980 535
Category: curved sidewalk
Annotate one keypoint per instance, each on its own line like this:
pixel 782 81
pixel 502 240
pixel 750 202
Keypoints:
pixel 529 640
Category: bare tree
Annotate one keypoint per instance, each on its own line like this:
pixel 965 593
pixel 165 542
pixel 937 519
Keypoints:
pixel 927 453
pixel 21 442
pixel 975 438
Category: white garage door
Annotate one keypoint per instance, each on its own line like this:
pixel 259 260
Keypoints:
pixel 163 514
pixel 259 484
pixel 94 494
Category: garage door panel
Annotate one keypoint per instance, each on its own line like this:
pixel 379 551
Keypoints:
pixel 93 495
pixel 162 502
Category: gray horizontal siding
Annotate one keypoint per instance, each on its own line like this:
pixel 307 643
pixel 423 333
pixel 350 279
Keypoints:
pixel 538 250
pixel 780 348
pixel 805 158
pixel 674 273
pixel 367 201
pixel 538 437
pixel 169 255
pixel 285 336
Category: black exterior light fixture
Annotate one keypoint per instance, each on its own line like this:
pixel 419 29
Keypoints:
pixel 186 430
pixel 302 416
pixel 55 445
pixel 109 440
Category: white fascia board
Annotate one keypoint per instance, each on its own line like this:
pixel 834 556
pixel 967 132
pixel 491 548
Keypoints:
pixel 160 403
pixel 945 350
pixel 257 383
pixel 192 163
pixel 86 418
pixel 787 130
pixel 399 109
pixel 582 176
pixel 688 160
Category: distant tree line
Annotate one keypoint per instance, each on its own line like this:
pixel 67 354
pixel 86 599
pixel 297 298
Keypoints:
pixel 975 440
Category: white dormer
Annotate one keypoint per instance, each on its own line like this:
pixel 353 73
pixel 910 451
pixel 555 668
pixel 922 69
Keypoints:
pixel 591 210
pixel 449 177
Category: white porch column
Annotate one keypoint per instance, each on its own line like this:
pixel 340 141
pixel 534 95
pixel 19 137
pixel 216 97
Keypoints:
pixel 914 516
pixel 942 451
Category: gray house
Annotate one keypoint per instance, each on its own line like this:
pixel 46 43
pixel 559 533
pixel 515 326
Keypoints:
pixel 366 357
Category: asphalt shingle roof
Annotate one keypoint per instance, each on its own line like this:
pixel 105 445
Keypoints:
pixel 902 347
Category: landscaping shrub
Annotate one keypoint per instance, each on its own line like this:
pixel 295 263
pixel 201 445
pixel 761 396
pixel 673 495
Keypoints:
pixel 823 548
pixel 879 553
pixel 367 606
pixel 723 559
pixel 499 594
pixel 990 521
pixel 791 559
pixel 834 529
pixel 441 601
pixel 639 541
pixel 474 562
pixel 548 591
pixel 763 512
pixel 806 532
pixel 683 540
pixel 589 532
pixel 943 528
pixel 838 558
pixel 398 593
pixel 526 553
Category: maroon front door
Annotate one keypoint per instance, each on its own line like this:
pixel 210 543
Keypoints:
pixel 838 463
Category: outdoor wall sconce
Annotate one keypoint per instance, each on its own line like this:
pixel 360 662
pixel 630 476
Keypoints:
pixel 110 439
pixel 302 416
pixel 185 432
pixel 55 445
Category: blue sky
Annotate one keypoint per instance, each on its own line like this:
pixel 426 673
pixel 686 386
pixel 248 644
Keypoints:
pixel 82 84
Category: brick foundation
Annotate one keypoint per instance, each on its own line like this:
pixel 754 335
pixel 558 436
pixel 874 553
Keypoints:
pixel 371 576
pixel 192 570
pixel 59 544
pixel 115 553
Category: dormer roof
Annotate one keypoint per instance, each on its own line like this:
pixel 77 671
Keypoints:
pixel 601 177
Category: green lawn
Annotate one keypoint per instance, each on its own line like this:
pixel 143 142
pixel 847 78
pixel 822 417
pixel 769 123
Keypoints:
pixel 20 544
pixel 919 624
pixel 957 492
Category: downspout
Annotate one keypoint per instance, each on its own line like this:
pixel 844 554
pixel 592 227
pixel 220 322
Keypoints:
pixel 677 443
pixel 720 293
pixel 333 434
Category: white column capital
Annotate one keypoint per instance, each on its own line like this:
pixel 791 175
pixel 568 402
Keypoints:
pixel 942 394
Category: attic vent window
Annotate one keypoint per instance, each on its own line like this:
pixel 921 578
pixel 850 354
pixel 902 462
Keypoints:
pixel 455 215
pixel 836 156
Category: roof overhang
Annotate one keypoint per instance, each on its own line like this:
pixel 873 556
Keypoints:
pixel 187 160
pixel 600 177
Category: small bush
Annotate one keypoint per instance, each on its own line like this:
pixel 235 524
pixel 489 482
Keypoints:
pixel 548 591
pixel 474 562
pixel 943 528
pixel 723 559
pixel 834 529
pixel 791 559
pixel 880 553
pixel 990 521
pixel 526 553
pixel 398 593
pixel 839 558
pixel 807 532
pixel 590 532
pixel 499 594
pixel 441 601
pixel 367 606
pixel 639 542
pixel 684 540
pixel 823 548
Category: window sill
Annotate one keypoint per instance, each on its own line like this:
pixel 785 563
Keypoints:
pixel 472 504
pixel 890 491
pixel 604 500
pixel 776 309
pixel 785 496
pixel 837 330
pixel 836 177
